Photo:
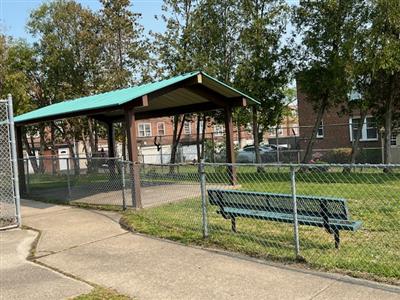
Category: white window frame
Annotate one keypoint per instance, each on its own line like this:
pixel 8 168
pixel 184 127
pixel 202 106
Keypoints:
pixel 201 126
pixel 364 137
pixel 218 130
pixel 321 126
pixel 186 126
pixel 144 130
pixel 393 139
pixel 163 128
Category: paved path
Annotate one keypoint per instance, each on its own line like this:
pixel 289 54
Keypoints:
pixel 92 246
pixel 21 279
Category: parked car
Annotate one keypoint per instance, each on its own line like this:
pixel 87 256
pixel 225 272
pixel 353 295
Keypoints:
pixel 248 154
pixel 267 152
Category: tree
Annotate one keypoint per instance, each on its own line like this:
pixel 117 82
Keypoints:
pixel 327 30
pixel 69 51
pixel 124 49
pixel 264 61
pixel 19 77
pixel 172 51
pixel 382 44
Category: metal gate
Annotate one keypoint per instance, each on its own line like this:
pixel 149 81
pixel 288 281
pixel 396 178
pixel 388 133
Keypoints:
pixel 9 188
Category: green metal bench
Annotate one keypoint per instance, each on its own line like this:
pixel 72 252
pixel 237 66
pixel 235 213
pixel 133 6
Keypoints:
pixel 329 213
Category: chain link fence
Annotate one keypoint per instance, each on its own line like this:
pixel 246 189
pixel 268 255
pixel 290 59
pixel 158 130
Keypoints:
pixel 9 190
pixel 334 217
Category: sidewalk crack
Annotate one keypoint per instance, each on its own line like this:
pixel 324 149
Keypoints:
pixel 322 290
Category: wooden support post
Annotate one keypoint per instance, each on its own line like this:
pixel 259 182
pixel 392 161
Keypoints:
pixel 230 151
pixel 133 157
pixel 20 158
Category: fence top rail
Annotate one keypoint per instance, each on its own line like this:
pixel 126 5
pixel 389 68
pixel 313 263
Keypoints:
pixel 379 166
pixel 281 165
pixel 55 157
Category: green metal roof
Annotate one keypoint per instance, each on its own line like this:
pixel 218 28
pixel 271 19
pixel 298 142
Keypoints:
pixel 111 99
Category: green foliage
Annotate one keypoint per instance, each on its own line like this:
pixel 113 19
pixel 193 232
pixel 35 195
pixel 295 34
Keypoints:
pixel 124 47
pixel 328 32
pixel 338 47
pixel 17 64
pixel 68 48
pixel 264 68
pixel 338 156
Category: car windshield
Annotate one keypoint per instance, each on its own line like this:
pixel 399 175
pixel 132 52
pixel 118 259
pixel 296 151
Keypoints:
pixel 249 149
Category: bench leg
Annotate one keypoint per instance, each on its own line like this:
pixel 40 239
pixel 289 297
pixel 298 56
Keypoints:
pixel 233 221
pixel 336 234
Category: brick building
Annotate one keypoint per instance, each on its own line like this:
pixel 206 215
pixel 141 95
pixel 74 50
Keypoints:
pixel 337 130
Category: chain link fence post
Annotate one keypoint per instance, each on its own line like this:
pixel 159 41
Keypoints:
pixel 13 147
pixel 202 175
pixel 27 175
pixel 68 179
pixel 123 184
pixel 295 220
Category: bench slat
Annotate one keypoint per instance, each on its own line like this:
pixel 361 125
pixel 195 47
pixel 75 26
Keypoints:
pixel 333 208
pixel 282 217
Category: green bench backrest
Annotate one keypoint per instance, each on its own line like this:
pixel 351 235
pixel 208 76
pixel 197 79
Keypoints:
pixel 325 207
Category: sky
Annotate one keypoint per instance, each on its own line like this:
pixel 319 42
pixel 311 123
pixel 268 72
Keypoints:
pixel 14 14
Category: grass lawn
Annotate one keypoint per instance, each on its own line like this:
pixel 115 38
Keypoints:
pixel 100 293
pixel 373 198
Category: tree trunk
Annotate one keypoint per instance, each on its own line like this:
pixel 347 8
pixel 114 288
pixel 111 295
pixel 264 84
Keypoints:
pixel 198 138
pixel 239 133
pixel 255 137
pixel 87 154
pixel 42 148
pixel 31 153
pixel 308 155
pixel 75 161
pixel 53 149
pixel 203 136
pixel 123 145
pixel 356 140
pixel 96 137
pixel 388 132
pixel 71 147
pixel 175 139
pixel 92 151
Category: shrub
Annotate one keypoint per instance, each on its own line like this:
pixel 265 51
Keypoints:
pixel 338 156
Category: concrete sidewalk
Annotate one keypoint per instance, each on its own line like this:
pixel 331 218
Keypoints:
pixel 92 246
pixel 21 279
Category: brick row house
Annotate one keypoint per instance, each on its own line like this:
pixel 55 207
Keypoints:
pixel 337 131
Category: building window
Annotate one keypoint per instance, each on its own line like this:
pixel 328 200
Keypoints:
pixel 372 130
pixel 369 131
pixel 393 140
pixel 272 131
pixel 161 128
pixel 187 128
pixel 144 129
pixel 219 130
pixel 320 132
